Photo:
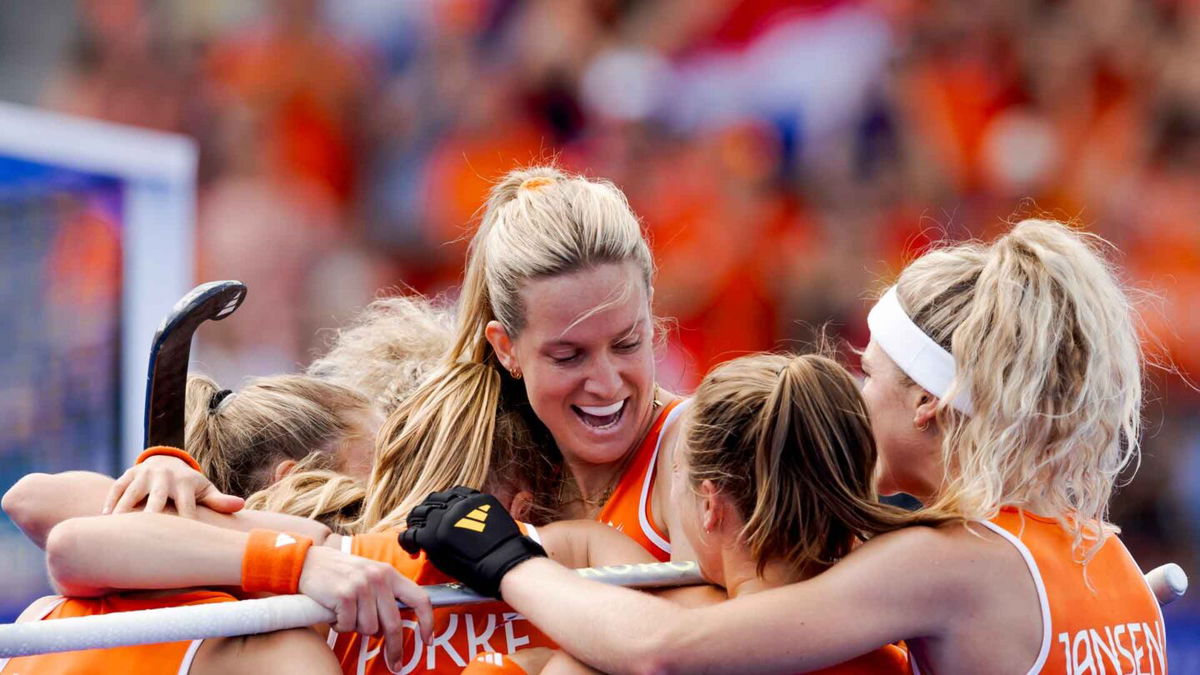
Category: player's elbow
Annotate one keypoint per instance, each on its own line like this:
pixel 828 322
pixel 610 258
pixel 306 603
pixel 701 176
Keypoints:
pixel 16 500
pixel 21 505
pixel 67 548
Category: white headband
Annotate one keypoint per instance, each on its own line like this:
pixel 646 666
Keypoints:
pixel 914 352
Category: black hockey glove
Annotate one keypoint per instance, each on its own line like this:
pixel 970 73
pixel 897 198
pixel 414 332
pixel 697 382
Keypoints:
pixel 468 535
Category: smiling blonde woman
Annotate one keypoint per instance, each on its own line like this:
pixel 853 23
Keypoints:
pixel 555 334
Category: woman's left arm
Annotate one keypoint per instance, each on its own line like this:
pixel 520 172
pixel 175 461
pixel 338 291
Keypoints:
pixel 891 589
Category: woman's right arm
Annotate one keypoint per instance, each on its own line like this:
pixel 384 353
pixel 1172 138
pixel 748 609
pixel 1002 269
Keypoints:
pixel 39 501
pixel 99 554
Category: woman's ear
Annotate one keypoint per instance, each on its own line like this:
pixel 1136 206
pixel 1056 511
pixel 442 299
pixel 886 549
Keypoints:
pixel 712 503
pixel 521 507
pixel 926 411
pixel 282 470
pixel 502 344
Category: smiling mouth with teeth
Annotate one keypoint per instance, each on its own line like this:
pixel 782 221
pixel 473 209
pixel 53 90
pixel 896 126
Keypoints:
pixel 600 417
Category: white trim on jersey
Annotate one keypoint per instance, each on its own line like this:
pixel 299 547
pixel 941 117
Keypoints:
pixel 1039 584
pixel 41 608
pixel 532 533
pixel 185 666
pixel 1047 629
pixel 648 481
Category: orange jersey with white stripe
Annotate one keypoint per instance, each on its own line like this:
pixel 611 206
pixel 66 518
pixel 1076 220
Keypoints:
pixel 629 508
pixel 168 657
pixel 1113 625
pixel 459 632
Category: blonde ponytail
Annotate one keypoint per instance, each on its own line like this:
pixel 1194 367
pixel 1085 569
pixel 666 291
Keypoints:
pixel 389 349
pixel 1044 341
pixel 239 438
pixel 438 438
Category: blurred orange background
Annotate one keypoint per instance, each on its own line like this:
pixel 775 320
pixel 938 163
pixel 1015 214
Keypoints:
pixel 786 156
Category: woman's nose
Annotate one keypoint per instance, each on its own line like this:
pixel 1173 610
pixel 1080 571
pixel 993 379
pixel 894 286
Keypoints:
pixel 603 379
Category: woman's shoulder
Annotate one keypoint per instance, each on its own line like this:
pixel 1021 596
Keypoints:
pixel 963 559
pixel 952 537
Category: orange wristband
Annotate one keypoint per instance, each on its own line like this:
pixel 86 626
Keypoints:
pixel 492 663
pixel 169 452
pixel 273 562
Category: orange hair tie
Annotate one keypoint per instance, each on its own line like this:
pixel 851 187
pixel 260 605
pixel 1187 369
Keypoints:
pixel 492 663
pixel 273 562
pixel 169 452
pixel 535 183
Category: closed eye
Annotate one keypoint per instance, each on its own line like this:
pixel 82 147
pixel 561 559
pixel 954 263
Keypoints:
pixel 628 346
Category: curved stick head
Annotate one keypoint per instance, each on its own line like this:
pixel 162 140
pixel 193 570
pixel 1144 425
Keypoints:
pixel 166 381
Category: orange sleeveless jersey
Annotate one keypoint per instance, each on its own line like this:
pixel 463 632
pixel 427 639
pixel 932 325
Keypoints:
pixel 629 509
pixel 1113 626
pixel 459 632
pixel 169 657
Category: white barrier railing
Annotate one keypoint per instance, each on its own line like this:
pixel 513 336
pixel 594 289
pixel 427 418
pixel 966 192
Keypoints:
pixel 227 619
pixel 248 617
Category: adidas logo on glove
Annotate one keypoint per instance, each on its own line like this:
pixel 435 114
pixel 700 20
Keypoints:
pixel 476 520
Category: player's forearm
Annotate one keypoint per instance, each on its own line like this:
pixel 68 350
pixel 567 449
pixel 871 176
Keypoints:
pixel 142 551
pixel 610 628
pixel 39 502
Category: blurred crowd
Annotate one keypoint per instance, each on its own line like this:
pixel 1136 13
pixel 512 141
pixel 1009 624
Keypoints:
pixel 786 157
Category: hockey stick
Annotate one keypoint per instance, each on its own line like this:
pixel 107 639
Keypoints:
pixel 1168 582
pixel 248 617
pixel 166 381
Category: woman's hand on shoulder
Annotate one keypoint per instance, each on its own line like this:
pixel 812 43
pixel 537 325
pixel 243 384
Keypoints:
pixel 363 594
pixel 162 479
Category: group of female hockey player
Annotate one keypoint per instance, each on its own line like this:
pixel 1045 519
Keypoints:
pixel 1002 389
